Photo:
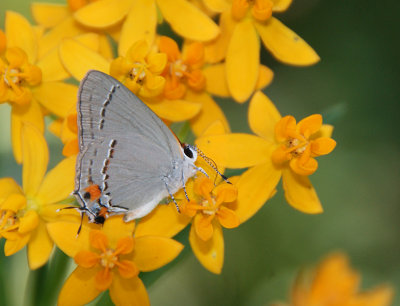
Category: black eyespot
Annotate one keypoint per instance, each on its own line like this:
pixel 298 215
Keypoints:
pixel 99 219
pixel 188 152
pixel 86 195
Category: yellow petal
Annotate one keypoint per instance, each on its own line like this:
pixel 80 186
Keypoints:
pixel 228 218
pixel 215 50
pixel 322 146
pixel 265 76
pixel 284 44
pixel 215 128
pixel 263 116
pixel 28 222
pixel 310 125
pixel 209 113
pixel 13 246
pixel 20 115
pixel 48 94
pixel 326 130
pixel 216 80
pixel 7 187
pixel 58 183
pixel 187 20
pixel 103 13
pixel 153 252
pixel 89 40
pixel 64 234
pixel 115 229
pixel 39 247
pixel 381 296
pixel 20 34
pixel 79 288
pixel 216 5
pixel 235 150
pixel 52 68
pixel 49 14
pixel 175 110
pixel 105 48
pixel 300 193
pixel 132 290
pixel 243 61
pixel 203 226
pixel 163 221
pixel 14 202
pixel 35 157
pixel 140 24
pixel 281 5
pixel 210 253
pixel 255 187
pixel 78 59
pixel 68 28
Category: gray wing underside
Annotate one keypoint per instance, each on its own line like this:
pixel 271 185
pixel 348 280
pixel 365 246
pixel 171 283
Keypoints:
pixel 124 147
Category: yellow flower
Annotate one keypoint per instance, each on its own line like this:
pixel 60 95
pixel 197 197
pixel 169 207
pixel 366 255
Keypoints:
pixel 335 283
pixel 244 20
pixel 28 83
pixel 25 211
pixel 140 70
pixel 109 257
pixel 281 149
pixel 67 130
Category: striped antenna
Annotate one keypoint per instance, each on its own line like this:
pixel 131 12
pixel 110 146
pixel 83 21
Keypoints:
pixel 211 163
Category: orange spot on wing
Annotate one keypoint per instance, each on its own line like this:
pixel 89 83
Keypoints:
pixel 94 191
pixel 103 212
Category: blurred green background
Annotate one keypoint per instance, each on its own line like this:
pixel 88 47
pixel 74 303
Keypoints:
pixel 356 86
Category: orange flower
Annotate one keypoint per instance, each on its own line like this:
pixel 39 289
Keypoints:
pixel 280 149
pixel 182 71
pixel 335 283
pixel 109 258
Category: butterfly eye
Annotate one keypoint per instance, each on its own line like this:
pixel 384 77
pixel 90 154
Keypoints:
pixel 99 219
pixel 188 152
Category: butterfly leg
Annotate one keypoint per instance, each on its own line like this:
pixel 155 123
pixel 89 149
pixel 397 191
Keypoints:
pixel 184 186
pixel 172 197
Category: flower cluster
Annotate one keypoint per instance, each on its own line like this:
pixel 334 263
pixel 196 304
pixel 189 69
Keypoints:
pixel 41 66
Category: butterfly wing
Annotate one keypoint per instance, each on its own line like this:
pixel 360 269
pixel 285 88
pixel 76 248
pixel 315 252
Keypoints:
pixel 125 149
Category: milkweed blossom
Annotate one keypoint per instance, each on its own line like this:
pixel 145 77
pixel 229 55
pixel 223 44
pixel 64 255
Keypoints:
pixel 187 61
pixel 334 282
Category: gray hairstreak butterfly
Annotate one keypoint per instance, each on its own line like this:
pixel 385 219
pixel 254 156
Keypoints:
pixel 129 160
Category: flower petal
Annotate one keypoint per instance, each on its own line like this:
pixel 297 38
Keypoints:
pixel 78 59
pixel 48 94
pixel 284 44
pixel 265 77
pixel 35 157
pixel 326 130
pixel 29 221
pixel 215 50
pixel 52 68
pixel 163 221
pixel 79 288
pixel 40 247
pixel 140 23
pixel 310 125
pixel 58 183
pixel 103 13
pixel 216 5
pixel 187 20
pixel 210 253
pixel 8 186
pixel 152 252
pixel 281 5
pixel 175 110
pixel 300 193
pixel 86 259
pixel 216 83
pixel 13 246
pixel 123 290
pixel 20 115
pixel 203 226
pixel 115 229
pixel 255 187
pixel 263 116
pixel 68 28
pixel 20 34
pixel 209 113
pixel 127 269
pixel 322 146
pixel 235 150
pixel 227 217
pixel 242 61
pixel 49 14
pixel 103 279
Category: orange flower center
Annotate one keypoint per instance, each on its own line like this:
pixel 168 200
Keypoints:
pixel 109 258
pixel 8 221
pixel 16 75
pixel 138 72
pixel 260 9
